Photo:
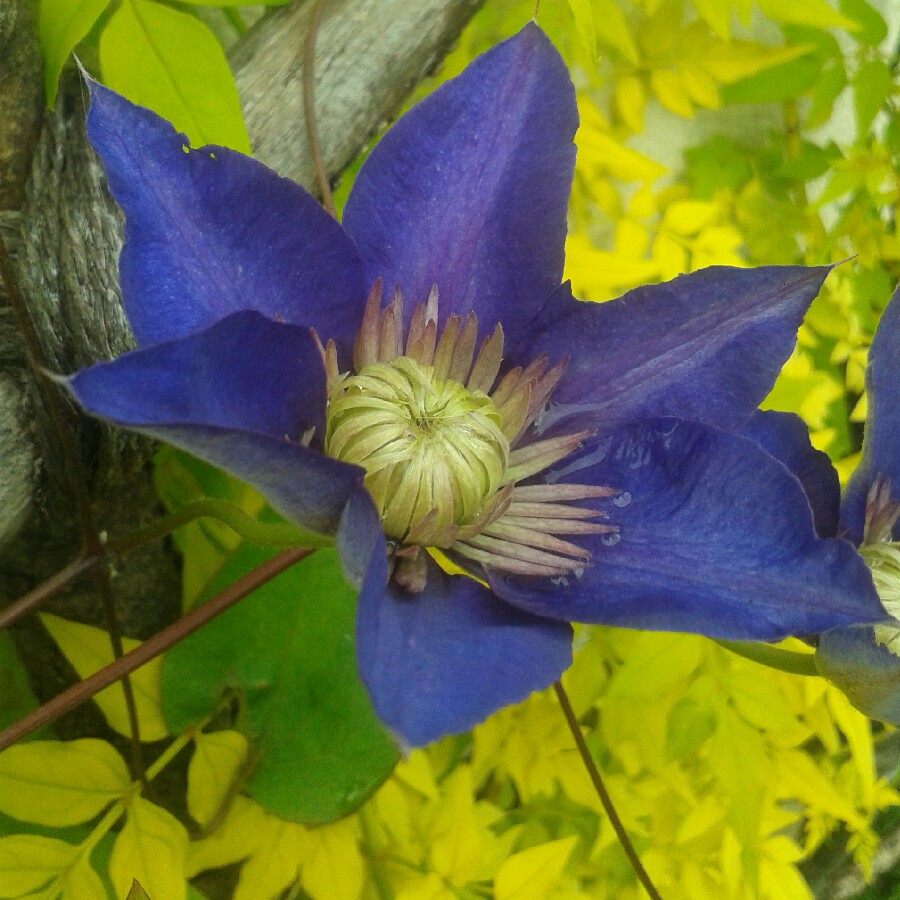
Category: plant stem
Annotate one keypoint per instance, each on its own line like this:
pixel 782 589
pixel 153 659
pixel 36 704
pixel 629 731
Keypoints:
pixel 151 648
pixel 774 657
pixel 602 793
pixel 309 108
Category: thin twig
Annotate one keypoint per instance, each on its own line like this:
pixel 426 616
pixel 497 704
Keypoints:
pixel 602 793
pixel 150 648
pixel 91 543
pixel 37 596
pixel 309 108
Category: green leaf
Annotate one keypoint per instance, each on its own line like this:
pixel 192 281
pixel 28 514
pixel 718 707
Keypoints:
pixel 61 25
pixel 826 90
pixel 871 27
pixel 16 697
pixel 689 724
pixel 288 649
pixel 717 163
pixel 811 162
pixel 775 84
pixel 170 62
pixel 236 2
pixel 871 89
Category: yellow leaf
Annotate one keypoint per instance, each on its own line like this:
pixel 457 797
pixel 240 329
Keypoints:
pixel 531 874
pixel 671 92
pixel 615 31
pixel 218 757
pixel 584 25
pixel 700 87
pixel 858 732
pixel 60 783
pixel 689 216
pixel 716 14
pixel 29 861
pixel 332 865
pixel 817 13
pixel 151 847
pixel 273 867
pixel 670 256
pixel 81 882
pixel 597 150
pixel 630 101
pixel 88 649
pixel 741 59
pixel 630 239
pixel 246 827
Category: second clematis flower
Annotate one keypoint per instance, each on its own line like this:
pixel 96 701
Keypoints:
pixel 864 661
pixel 417 377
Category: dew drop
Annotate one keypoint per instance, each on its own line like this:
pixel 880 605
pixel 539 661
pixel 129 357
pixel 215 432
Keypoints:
pixel 622 500
pixel 611 539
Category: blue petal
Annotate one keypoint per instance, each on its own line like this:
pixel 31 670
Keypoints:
pixel 706 346
pixel 881 444
pixel 240 395
pixel 440 661
pixel 210 232
pixel 868 673
pixel 715 537
pixel 786 437
pixel 469 189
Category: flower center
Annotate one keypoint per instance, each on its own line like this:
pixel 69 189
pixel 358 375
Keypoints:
pixel 426 444
pixel 443 438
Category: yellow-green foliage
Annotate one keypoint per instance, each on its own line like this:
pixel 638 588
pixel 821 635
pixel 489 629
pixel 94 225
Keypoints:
pixel 726 774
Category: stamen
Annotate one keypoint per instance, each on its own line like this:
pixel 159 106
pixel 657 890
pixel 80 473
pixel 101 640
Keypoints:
pixel 550 492
pixel 507 385
pixel 444 352
pixel 534 458
pixel 522 552
pixel 514 410
pixel 365 349
pixel 487 362
pixel 543 388
pixel 461 361
pixel 881 512
pixel 509 564
pixel 561 526
pixel 558 510
pixel 528 537
pixel 391 332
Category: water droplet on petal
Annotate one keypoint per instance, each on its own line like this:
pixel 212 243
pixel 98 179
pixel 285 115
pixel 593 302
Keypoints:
pixel 611 539
pixel 622 500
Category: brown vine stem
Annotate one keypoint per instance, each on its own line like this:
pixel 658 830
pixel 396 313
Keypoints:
pixel 309 108
pixel 602 793
pixel 47 589
pixel 92 545
pixel 152 647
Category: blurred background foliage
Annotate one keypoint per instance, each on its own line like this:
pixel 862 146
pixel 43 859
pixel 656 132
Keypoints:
pixel 738 132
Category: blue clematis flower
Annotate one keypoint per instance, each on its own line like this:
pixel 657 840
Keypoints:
pixel 581 459
pixel 863 661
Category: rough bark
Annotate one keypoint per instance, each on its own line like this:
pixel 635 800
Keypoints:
pixel 66 239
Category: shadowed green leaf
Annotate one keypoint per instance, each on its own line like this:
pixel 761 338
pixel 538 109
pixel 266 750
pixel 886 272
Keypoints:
pixel 288 651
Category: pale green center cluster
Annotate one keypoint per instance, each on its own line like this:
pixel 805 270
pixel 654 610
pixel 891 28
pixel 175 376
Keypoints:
pixel 883 560
pixel 425 444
